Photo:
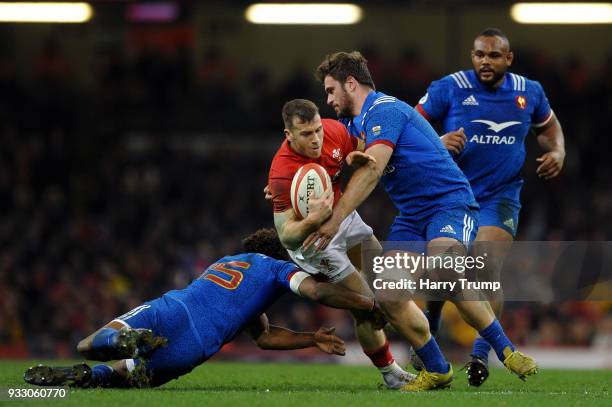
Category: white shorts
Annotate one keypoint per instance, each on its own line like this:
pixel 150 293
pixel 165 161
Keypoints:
pixel 333 262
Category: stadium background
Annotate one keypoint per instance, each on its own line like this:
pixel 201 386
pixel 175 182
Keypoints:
pixel 134 154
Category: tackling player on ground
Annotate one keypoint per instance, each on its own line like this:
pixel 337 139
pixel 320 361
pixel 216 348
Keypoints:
pixel 486 114
pixel 310 139
pixel 434 198
pixel 168 337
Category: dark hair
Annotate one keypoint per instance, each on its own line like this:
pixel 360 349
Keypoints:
pixel 303 109
pixel 265 241
pixel 341 65
pixel 494 32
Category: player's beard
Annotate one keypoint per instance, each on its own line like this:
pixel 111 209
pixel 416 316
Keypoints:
pixel 346 108
pixel 497 75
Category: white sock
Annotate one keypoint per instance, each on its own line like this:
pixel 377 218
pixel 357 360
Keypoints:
pixel 393 367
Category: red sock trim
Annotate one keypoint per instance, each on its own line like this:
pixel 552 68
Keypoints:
pixel 381 357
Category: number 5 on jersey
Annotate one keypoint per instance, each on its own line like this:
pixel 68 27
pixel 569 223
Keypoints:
pixel 227 274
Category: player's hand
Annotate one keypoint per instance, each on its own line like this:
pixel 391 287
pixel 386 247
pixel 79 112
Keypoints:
pixel 321 238
pixel 267 193
pixel 358 159
pixel 320 208
pixel 454 141
pixel 551 164
pixel 328 342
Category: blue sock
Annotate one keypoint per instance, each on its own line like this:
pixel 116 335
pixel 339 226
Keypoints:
pixel 432 357
pixel 481 348
pixel 434 321
pixel 104 339
pixel 495 336
pixel 101 376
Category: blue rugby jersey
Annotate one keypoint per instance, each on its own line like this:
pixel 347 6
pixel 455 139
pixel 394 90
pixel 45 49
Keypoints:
pixel 421 175
pixel 232 292
pixel 496 123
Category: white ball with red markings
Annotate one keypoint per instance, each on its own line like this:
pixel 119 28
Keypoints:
pixel 311 180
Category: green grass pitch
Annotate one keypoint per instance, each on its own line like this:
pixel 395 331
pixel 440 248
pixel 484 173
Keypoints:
pixel 302 384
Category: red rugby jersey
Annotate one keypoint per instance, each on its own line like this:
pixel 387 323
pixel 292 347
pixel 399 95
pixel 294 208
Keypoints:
pixel 337 144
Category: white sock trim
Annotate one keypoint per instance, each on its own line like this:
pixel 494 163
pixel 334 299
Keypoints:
pixel 392 367
pixel 130 365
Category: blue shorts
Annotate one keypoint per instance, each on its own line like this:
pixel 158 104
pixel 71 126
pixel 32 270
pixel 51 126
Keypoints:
pixel 167 317
pixel 460 223
pixel 501 212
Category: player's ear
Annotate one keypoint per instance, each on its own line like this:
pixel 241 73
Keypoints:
pixel 350 84
pixel 509 58
pixel 288 135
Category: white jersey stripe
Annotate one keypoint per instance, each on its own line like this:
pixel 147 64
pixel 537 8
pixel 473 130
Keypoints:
pixel 544 122
pixel 456 80
pixel 383 99
pixel 465 79
pixel 513 81
pixel 458 76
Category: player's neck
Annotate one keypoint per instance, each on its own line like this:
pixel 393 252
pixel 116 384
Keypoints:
pixel 361 94
pixel 496 85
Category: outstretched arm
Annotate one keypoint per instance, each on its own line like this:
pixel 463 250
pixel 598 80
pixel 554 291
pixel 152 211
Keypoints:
pixel 334 295
pixel 277 338
pixel 550 138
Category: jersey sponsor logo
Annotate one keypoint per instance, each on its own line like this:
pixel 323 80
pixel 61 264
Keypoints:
pixel 521 102
pixel 424 99
pixel 376 130
pixel 470 101
pixel 448 229
pixel 496 127
pixel 489 139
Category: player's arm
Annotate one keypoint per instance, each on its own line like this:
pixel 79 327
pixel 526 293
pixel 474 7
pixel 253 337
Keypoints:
pixel 274 337
pixel 360 186
pixel 434 107
pixel 328 294
pixel 293 231
pixel 551 139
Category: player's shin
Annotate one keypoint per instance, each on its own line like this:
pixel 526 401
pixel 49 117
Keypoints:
pixel 481 348
pixel 434 315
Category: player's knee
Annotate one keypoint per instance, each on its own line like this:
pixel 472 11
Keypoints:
pixel 392 311
pixel 362 318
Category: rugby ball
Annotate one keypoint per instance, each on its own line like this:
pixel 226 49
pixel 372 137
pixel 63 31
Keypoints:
pixel 311 180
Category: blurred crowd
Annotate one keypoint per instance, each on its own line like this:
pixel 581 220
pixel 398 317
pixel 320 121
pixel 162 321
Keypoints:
pixel 115 191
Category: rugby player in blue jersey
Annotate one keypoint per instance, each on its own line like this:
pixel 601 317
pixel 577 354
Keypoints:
pixel 168 337
pixel 486 114
pixel 434 199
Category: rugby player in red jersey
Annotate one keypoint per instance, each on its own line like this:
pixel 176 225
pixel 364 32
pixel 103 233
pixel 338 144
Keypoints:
pixel 310 139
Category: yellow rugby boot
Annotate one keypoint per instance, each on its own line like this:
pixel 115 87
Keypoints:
pixel 430 381
pixel 519 363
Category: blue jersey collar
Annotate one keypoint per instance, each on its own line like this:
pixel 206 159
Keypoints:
pixel 506 84
pixel 370 99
